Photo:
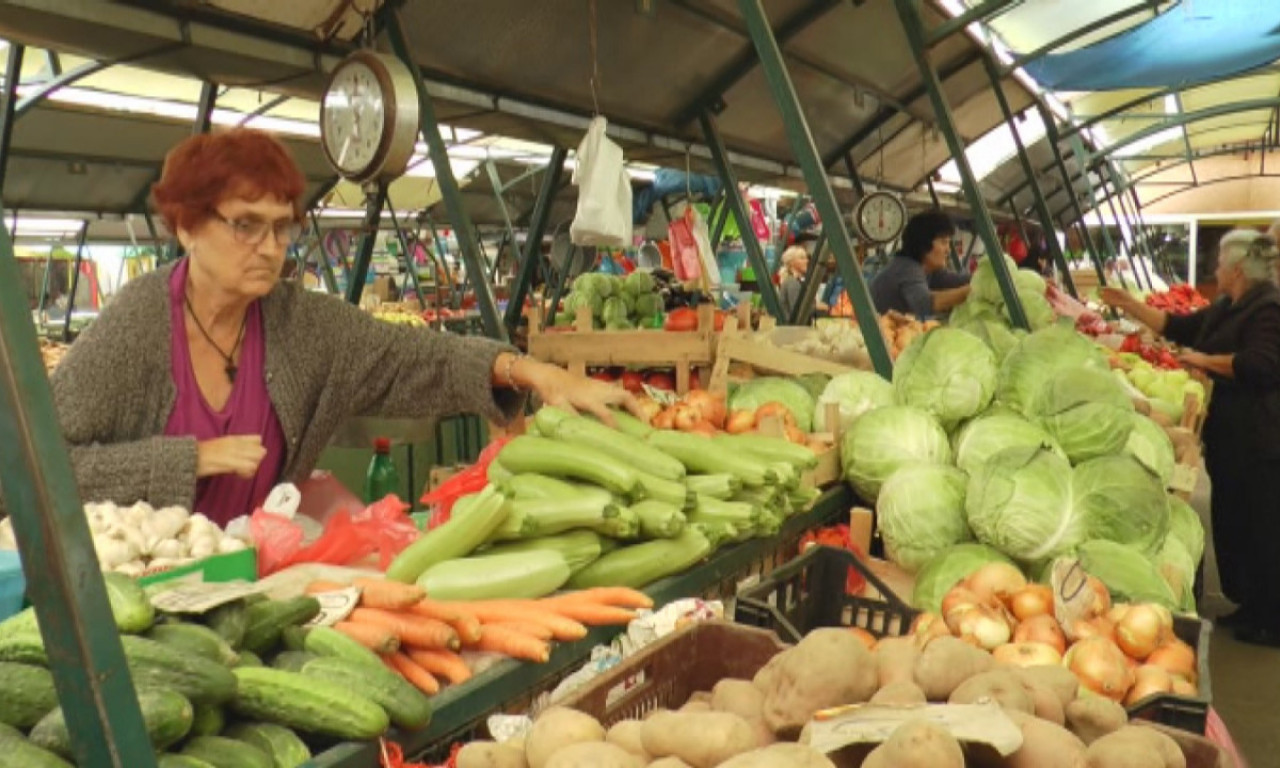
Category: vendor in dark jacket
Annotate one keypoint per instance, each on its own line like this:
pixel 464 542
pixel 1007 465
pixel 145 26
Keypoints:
pixel 1237 342
pixel 916 281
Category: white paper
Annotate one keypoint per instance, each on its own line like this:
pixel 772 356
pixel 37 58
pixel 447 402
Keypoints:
pixel 198 597
pixel 867 724
pixel 335 606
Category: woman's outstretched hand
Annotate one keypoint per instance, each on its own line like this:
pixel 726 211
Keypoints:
pixel 578 394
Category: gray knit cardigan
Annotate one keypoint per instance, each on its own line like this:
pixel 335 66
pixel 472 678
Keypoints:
pixel 326 361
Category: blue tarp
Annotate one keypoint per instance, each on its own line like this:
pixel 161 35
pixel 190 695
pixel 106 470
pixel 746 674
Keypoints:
pixel 670 182
pixel 1193 42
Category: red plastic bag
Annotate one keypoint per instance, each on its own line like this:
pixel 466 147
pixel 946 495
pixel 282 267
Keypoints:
pixel 383 527
pixel 838 536
pixel 471 480
pixel 684 247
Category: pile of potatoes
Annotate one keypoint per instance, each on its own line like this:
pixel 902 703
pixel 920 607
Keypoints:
pixel 760 723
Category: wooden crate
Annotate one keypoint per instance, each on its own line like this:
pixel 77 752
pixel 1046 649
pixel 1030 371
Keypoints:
pixel 743 347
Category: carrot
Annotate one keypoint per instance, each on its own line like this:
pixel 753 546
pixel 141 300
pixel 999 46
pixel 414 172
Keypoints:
pixel 465 624
pixel 376 639
pixel 409 670
pixel 592 614
pixel 517 645
pixel 411 629
pixel 530 628
pixel 494 611
pixel 621 597
pixel 320 585
pixel 389 595
pixel 446 664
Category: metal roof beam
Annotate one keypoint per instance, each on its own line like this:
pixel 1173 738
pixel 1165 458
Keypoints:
pixel 982 12
pixel 1210 183
pixel 1186 118
pixel 1076 34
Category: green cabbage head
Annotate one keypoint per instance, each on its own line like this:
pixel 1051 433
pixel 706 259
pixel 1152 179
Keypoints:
pixel 1039 358
pixel 948 373
pixel 993 431
pixel 1020 503
pixel 1185 526
pixel 1150 444
pixel 775 389
pixel 884 440
pixel 1087 412
pixel 943 572
pixel 920 513
pixel 855 393
pixel 1130 575
pixel 999 337
pixel 1120 500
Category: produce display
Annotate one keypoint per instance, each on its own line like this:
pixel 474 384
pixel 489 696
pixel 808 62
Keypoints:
pixel 900 330
pixel 617 303
pixel 1179 300
pixel 1165 390
pixel 399 315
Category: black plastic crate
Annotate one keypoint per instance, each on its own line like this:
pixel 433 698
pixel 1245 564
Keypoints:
pixel 1186 713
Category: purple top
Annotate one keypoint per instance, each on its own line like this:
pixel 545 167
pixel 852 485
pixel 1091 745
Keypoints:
pixel 248 411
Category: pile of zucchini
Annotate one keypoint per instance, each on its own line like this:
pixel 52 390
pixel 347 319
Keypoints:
pixel 578 504
pixel 242 686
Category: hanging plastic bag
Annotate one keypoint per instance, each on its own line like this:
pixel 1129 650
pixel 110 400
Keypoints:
pixel 604 212
pixel 685 260
pixel 383 528
pixel 759 223
pixel 702 237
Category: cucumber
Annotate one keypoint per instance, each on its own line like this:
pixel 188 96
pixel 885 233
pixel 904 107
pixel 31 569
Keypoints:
pixel 677 495
pixel 407 707
pixel 181 761
pixel 209 720
pixel 294 638
pixel 229 621
pixel 307 704
pixel 718 486
pixel 17 752
pixel 130 605
pixel 640 564
pixel 166 715
pixel 197 639
pixel 658 520
pixel 292 661
pixel 568 460
pixel 584 432
pixel 227 753
pixel 266 620
pixel 458 537
pixel 284 746
pixel 699 454
pixel 769 450
pixel 249 659
pixel 326 641
pixel 23 647
pixel 579 548
pixel 28 694
pixel 154 665
pixel 490 577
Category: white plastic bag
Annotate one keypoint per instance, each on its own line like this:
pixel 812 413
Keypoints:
pixel 604 191
pixel 710 267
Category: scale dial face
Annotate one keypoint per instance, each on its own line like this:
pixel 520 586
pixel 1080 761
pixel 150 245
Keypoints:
pixel 880 217
pixel 355 115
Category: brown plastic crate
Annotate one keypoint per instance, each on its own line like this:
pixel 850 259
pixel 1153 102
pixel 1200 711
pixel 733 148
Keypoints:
pixel 668 672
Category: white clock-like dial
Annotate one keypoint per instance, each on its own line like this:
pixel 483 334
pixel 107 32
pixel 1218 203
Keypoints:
pixel 354 115
pixel 880 217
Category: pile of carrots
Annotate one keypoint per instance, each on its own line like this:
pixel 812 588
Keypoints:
pixel 422 639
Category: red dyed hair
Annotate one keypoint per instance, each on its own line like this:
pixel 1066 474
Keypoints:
pixel 203 171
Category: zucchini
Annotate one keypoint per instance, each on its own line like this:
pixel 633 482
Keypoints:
pixel 284 746
pixel 698 454
pixel 307 704
pixel 249 659
pixel 641 564
pixel 516 525
pixel 788 475
pixel 581 431
pixel 658 520
pixel 169 760
pixel 498 473
pixel 458 537
pixel 531 485
pixel 227 753
pixel 265 621
pixel 407 707
pixel 326 641
pixel 738 513
pixel 770 450
pixel 579 548
pixel 154 665
pixel 491 577
pixel 229 621
pixel 209 720
pixel 588 508
pixel 292 661
pixel 625 524
pixel 17 752
pixel 630 425
pixel 677 495
pixel 28 694
pixel 719 486
pixel 130 605
pixel 719 534
pixel 569 460
pixel 197 639
pixel 166 715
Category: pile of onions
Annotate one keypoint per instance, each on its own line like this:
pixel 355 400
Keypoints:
pixel 1101 667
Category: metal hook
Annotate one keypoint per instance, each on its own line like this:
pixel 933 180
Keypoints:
pixel 593 30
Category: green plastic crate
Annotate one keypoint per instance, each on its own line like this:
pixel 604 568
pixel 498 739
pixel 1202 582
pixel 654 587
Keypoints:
pixel 215 569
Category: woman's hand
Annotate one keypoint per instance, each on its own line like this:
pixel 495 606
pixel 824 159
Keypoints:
pixel 1114 297
pixel 1194 359
pixel 235 454
pixel 556 386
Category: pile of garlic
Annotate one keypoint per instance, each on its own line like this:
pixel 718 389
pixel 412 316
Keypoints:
pixel 136 539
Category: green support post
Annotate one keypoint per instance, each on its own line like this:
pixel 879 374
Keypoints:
pixel 532 257
pixel 64 581
pixel 738 207
pixel 719 215
pixel 952 256
pixel 9 104
pixel 1051 132
pixel 406 258
pixel 815 174
pixel 1042 206
pixel 802 312
pixel 75 282
pixel 562 279
pixel 368 237
pixel 495 181
pixel 322 255
pixel 1083 158
pixel 449 190
pixel 911 23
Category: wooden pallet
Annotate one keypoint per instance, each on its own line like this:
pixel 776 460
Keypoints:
pixel 742 347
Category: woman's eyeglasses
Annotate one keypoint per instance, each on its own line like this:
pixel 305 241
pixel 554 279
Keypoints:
pixel 251 231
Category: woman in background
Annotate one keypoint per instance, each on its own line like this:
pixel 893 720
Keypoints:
pixel 795 267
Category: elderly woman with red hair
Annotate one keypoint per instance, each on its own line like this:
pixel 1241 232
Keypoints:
pixel 207 382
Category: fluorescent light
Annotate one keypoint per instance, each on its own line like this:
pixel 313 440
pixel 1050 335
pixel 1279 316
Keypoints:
pixel 32 227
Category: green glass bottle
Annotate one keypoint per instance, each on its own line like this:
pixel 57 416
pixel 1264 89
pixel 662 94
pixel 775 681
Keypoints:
pixel 382 477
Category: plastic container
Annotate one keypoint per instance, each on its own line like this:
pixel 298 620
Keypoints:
pixel 382 478
pixel 13 585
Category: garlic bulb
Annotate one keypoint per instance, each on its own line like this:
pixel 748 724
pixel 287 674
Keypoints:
pixel 168 549
pixel 168 522
pixel 133 568
pixel 231 544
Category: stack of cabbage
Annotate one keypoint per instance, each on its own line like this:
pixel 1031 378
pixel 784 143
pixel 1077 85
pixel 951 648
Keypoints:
pixel 617 304
pixel 984 312
pixel 1038 457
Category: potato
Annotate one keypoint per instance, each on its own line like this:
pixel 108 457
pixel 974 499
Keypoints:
pixel 654 712
pixel 1134 747
pixel 765 678
pixel 1092 717
pixel 626 734
pixel 740 697
pixel 1056 678
pixel 589 754
pixel 695 706
pixel 489 754
pixel 669 762
pixel 998 685
pixel 896 660
pixel 557 728
pixel 780 756
pixel 946 663
pixel 830 667
pixel 1045 704
pixel 917 743
pixel 764 734
pixel 901 693
pixel 701 739
pixel 1044 745
pixel 703 697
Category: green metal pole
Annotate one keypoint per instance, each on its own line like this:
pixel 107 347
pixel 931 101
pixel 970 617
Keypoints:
pixel 562 279
pixel 952 255
pixel 1137 244
pixel 1051 131
pixel 802 312
pixel 75 282
pixel 538 220
pixel 322 255
pixel 9 104
pixel 405 257
pixel 738 207
pixel 64 580
pixel 1042 206
pixel 911 23
pixel 368 237
pixel 449 189
pixel 495 181
pixel 720 214
pixel 802 143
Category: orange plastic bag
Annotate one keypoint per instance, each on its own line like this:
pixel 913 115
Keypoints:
pixel 383 527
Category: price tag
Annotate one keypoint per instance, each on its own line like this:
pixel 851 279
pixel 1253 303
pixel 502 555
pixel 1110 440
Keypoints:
pixel 984 723
pixel 335 606
pixel 198 597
